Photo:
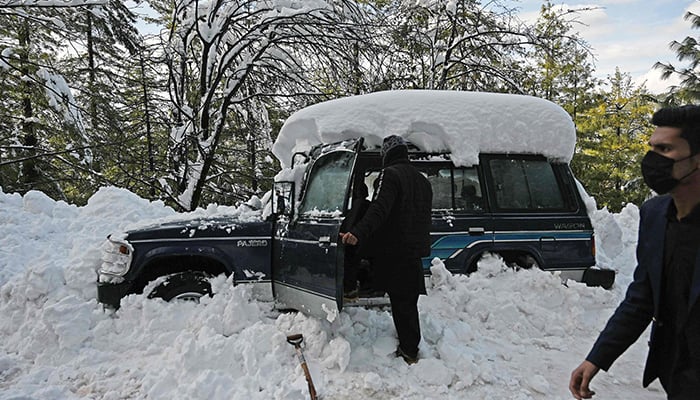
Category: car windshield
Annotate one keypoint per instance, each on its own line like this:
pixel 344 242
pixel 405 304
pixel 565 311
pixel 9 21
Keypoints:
pixel 328 183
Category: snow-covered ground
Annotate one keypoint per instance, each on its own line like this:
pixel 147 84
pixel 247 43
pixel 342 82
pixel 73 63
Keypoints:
pixel 497 334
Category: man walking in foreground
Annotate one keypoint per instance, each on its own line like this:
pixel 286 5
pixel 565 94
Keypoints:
pixel 666 282
pixel 398 219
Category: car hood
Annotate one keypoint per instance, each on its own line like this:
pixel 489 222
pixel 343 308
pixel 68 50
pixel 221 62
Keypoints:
pixel 199 228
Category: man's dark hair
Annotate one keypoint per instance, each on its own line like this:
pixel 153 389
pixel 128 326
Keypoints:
pixel 686 118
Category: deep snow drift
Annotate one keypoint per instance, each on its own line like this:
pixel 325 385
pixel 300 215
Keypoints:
pixel 496 334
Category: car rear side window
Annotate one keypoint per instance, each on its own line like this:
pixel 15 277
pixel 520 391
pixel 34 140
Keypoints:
pixel 523 184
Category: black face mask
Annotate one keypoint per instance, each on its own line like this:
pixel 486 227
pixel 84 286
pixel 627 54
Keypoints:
pixel 657 171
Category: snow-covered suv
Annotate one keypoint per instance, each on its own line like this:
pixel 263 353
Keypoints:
pixel 498 165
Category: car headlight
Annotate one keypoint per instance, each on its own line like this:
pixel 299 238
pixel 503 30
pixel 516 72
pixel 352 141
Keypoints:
pixel 116 259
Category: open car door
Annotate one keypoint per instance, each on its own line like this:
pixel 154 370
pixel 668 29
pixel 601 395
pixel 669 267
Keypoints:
pixel 307 260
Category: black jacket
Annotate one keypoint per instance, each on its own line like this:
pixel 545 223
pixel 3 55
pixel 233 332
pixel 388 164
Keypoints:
pixel 642 301
pixel 398 223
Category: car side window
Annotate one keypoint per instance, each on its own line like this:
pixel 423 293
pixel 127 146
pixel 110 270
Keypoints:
pixel 328 181
pixel 454 188
pixel 468 196
pixel 523 184
pixel 441 182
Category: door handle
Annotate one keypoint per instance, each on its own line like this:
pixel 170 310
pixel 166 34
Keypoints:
pixel 476 231
pixel 324 241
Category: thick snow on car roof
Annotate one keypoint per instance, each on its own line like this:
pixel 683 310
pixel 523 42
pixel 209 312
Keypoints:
pixel 462 123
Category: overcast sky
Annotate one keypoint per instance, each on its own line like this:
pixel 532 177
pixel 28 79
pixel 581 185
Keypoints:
pixel 629 34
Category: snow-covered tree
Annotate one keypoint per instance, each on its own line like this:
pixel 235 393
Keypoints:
pixel 109 65
pixel 224 56
pixel 61 63
pixel 448 44
pixel 36 99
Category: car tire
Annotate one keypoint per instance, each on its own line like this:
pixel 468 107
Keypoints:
pixel 527 261
pixel 183 286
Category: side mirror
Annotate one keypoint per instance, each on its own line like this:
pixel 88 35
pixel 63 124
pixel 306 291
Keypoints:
pixel 283 198
pixel 304 156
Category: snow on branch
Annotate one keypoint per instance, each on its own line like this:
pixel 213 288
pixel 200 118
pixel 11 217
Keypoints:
pixel 5 57
pixel 60 97
pixel 50 3
pixel 221 54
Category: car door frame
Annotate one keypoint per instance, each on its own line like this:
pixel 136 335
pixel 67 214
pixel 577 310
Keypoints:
pixel 308 261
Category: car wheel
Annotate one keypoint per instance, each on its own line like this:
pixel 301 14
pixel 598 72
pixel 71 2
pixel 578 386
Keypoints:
pixel 527 261
pixel 183 286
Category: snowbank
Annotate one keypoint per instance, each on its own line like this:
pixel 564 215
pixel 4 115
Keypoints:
pixel 463 123
pixel 496 334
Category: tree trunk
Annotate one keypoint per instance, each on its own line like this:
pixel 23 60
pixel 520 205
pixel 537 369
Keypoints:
pixel 357 75
pixel 252 159
pixel 149 138
pixel 91 70
pixel 30 172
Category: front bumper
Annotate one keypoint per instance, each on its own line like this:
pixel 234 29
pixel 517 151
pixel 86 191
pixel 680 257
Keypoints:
pixel 110 294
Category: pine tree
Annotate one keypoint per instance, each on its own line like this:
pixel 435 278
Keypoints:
pixel 35 103
pixel 559 66
pixel 63 63
pixel 687 50
pixel 612 141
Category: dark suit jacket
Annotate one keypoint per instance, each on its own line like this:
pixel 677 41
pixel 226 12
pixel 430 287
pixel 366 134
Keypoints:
pixel 641 303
